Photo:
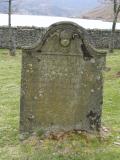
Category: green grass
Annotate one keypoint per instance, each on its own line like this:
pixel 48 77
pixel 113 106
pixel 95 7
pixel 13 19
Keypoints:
pixel 73 147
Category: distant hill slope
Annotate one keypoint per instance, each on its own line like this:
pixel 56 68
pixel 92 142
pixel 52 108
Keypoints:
pixel 104 12
pixel 65 8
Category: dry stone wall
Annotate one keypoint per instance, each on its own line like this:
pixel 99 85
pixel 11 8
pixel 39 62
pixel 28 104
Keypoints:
pixel 29 35
pixel 23 36
pixel 101 38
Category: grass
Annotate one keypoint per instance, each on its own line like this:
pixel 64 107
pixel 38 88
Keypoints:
pixel 74 146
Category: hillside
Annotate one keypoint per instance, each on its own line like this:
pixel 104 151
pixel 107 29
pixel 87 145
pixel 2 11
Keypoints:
pixel 65 8
pixel 104 12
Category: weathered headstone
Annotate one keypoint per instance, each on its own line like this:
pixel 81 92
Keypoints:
pixel 62 82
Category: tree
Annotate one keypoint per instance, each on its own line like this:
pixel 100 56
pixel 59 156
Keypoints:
pixel 116 10
pixel 12 48
pixel 7 4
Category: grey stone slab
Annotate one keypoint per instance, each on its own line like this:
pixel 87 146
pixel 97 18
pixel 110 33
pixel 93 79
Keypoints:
pixel 62 83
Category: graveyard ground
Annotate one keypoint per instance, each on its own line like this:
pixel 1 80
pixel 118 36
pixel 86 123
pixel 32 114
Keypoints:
pixel 72 146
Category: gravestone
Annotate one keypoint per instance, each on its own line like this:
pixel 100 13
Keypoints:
pixel 62 84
